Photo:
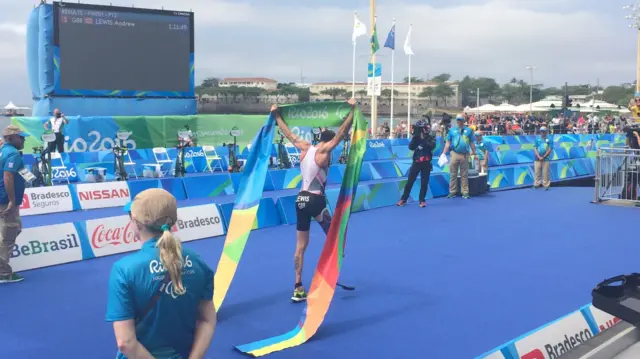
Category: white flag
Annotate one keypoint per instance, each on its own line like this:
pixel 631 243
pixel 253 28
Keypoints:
pixel 407 43
pixel 358 29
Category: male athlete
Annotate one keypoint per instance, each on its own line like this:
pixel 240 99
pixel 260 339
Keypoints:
pixel 311 201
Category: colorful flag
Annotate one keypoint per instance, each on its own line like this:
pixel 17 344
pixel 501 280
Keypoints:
pixel 375 46
pixel 407 43
pixel 358 29
pixel 391 39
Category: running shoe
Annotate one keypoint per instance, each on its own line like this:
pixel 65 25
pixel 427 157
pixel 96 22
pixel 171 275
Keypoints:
pixel 299 295
pixel 451 195
pixel 466 196
pixel 401 203
pixel 423 204
pixel 11 278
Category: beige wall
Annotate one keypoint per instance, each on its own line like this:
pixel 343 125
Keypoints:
pixel 401 88
pixel 267 85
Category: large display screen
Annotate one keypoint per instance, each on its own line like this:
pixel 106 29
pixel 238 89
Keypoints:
pixel 124 52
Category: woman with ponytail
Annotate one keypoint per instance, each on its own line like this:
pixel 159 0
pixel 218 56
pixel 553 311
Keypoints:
pixel 161 297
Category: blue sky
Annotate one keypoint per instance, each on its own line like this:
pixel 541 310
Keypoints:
pixel 579 41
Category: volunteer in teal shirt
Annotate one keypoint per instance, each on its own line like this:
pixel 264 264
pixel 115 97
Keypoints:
pixel 459 141
pixel 542 149
pixel 482 152
pixel 11 161
pixel 12 183
pixel 161 297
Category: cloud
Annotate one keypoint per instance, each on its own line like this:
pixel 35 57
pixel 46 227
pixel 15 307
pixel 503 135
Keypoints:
pixel 16 29
pixel 568 40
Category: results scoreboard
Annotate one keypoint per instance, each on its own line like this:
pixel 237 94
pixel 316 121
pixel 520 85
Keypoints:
pixel 123 52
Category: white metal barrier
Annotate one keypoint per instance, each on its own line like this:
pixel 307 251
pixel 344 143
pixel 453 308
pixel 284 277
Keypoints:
pixel 617 175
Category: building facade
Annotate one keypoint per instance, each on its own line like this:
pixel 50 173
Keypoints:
pixel 260 82
pixel 319 93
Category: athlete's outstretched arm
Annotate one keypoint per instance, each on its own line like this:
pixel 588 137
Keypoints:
pixel 342 131
pixel 301 144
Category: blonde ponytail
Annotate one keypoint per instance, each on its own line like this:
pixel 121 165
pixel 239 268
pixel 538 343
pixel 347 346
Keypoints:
pixel 171 258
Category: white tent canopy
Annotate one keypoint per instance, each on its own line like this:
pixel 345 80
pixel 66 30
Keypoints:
pixel 11 106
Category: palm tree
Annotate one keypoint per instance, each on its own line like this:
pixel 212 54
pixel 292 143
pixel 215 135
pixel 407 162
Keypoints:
pixel 334 92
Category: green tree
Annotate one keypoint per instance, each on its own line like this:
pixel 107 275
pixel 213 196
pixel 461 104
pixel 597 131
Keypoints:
pixel 428 93
pixel 414 80
pixel 386 94
pixel 442 78
pixel 361 93
pixel 489 88
pixel 618 95
pixel 335 92
pixel 443 91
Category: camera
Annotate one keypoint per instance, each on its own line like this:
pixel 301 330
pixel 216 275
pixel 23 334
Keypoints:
pixel 446 118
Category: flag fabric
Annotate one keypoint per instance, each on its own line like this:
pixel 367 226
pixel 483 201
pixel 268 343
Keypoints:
pixel 358 29
pixel 407 44
pixel 391 39
pixel 375 46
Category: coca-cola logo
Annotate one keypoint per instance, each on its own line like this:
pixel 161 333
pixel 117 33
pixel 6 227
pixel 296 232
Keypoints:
pixel 103 236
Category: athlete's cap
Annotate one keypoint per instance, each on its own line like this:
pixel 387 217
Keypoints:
pixel 459 118
pixel 14 130
pixel 543 129
pixel 154 207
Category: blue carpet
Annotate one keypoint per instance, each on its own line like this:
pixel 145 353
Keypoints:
pixel 450 281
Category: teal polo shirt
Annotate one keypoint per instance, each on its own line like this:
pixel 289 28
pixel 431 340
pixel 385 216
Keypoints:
pixel 168 329
pixel 460 139
pixel 11 161
pixel 480 150
pixel 542 145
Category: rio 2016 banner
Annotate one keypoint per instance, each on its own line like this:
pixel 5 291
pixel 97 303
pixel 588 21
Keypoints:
pixel 94 134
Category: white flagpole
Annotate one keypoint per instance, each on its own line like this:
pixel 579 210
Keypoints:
pixel 393 52
pixel 374 125
pixel 353 66
pixel 353 70
pixel 409 104
pixel 409 52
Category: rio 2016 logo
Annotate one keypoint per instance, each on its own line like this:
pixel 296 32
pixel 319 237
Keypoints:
pixel 95 143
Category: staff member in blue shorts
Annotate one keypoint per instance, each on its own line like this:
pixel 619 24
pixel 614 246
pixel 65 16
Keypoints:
pixel 161 297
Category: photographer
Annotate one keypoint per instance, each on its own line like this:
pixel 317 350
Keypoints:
pixel 422 145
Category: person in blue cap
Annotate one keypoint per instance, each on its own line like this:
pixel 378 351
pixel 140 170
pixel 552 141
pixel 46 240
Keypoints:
pixel 459 140
pixel 482 152
pixel 160 298
pixel 542 148
pixel 14 178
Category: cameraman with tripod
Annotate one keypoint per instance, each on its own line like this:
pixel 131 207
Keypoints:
pixel 422 145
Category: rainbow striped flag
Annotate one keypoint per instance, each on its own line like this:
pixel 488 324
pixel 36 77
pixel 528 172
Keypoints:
pixel 323 284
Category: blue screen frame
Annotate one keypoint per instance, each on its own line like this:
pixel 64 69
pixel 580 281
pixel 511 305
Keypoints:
pixel 58 91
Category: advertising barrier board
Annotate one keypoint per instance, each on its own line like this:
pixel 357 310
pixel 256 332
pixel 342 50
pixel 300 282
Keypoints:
pixel 103 195
pixel 555 339
pixel 46 246
pixel 115 235
pixel 42 200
